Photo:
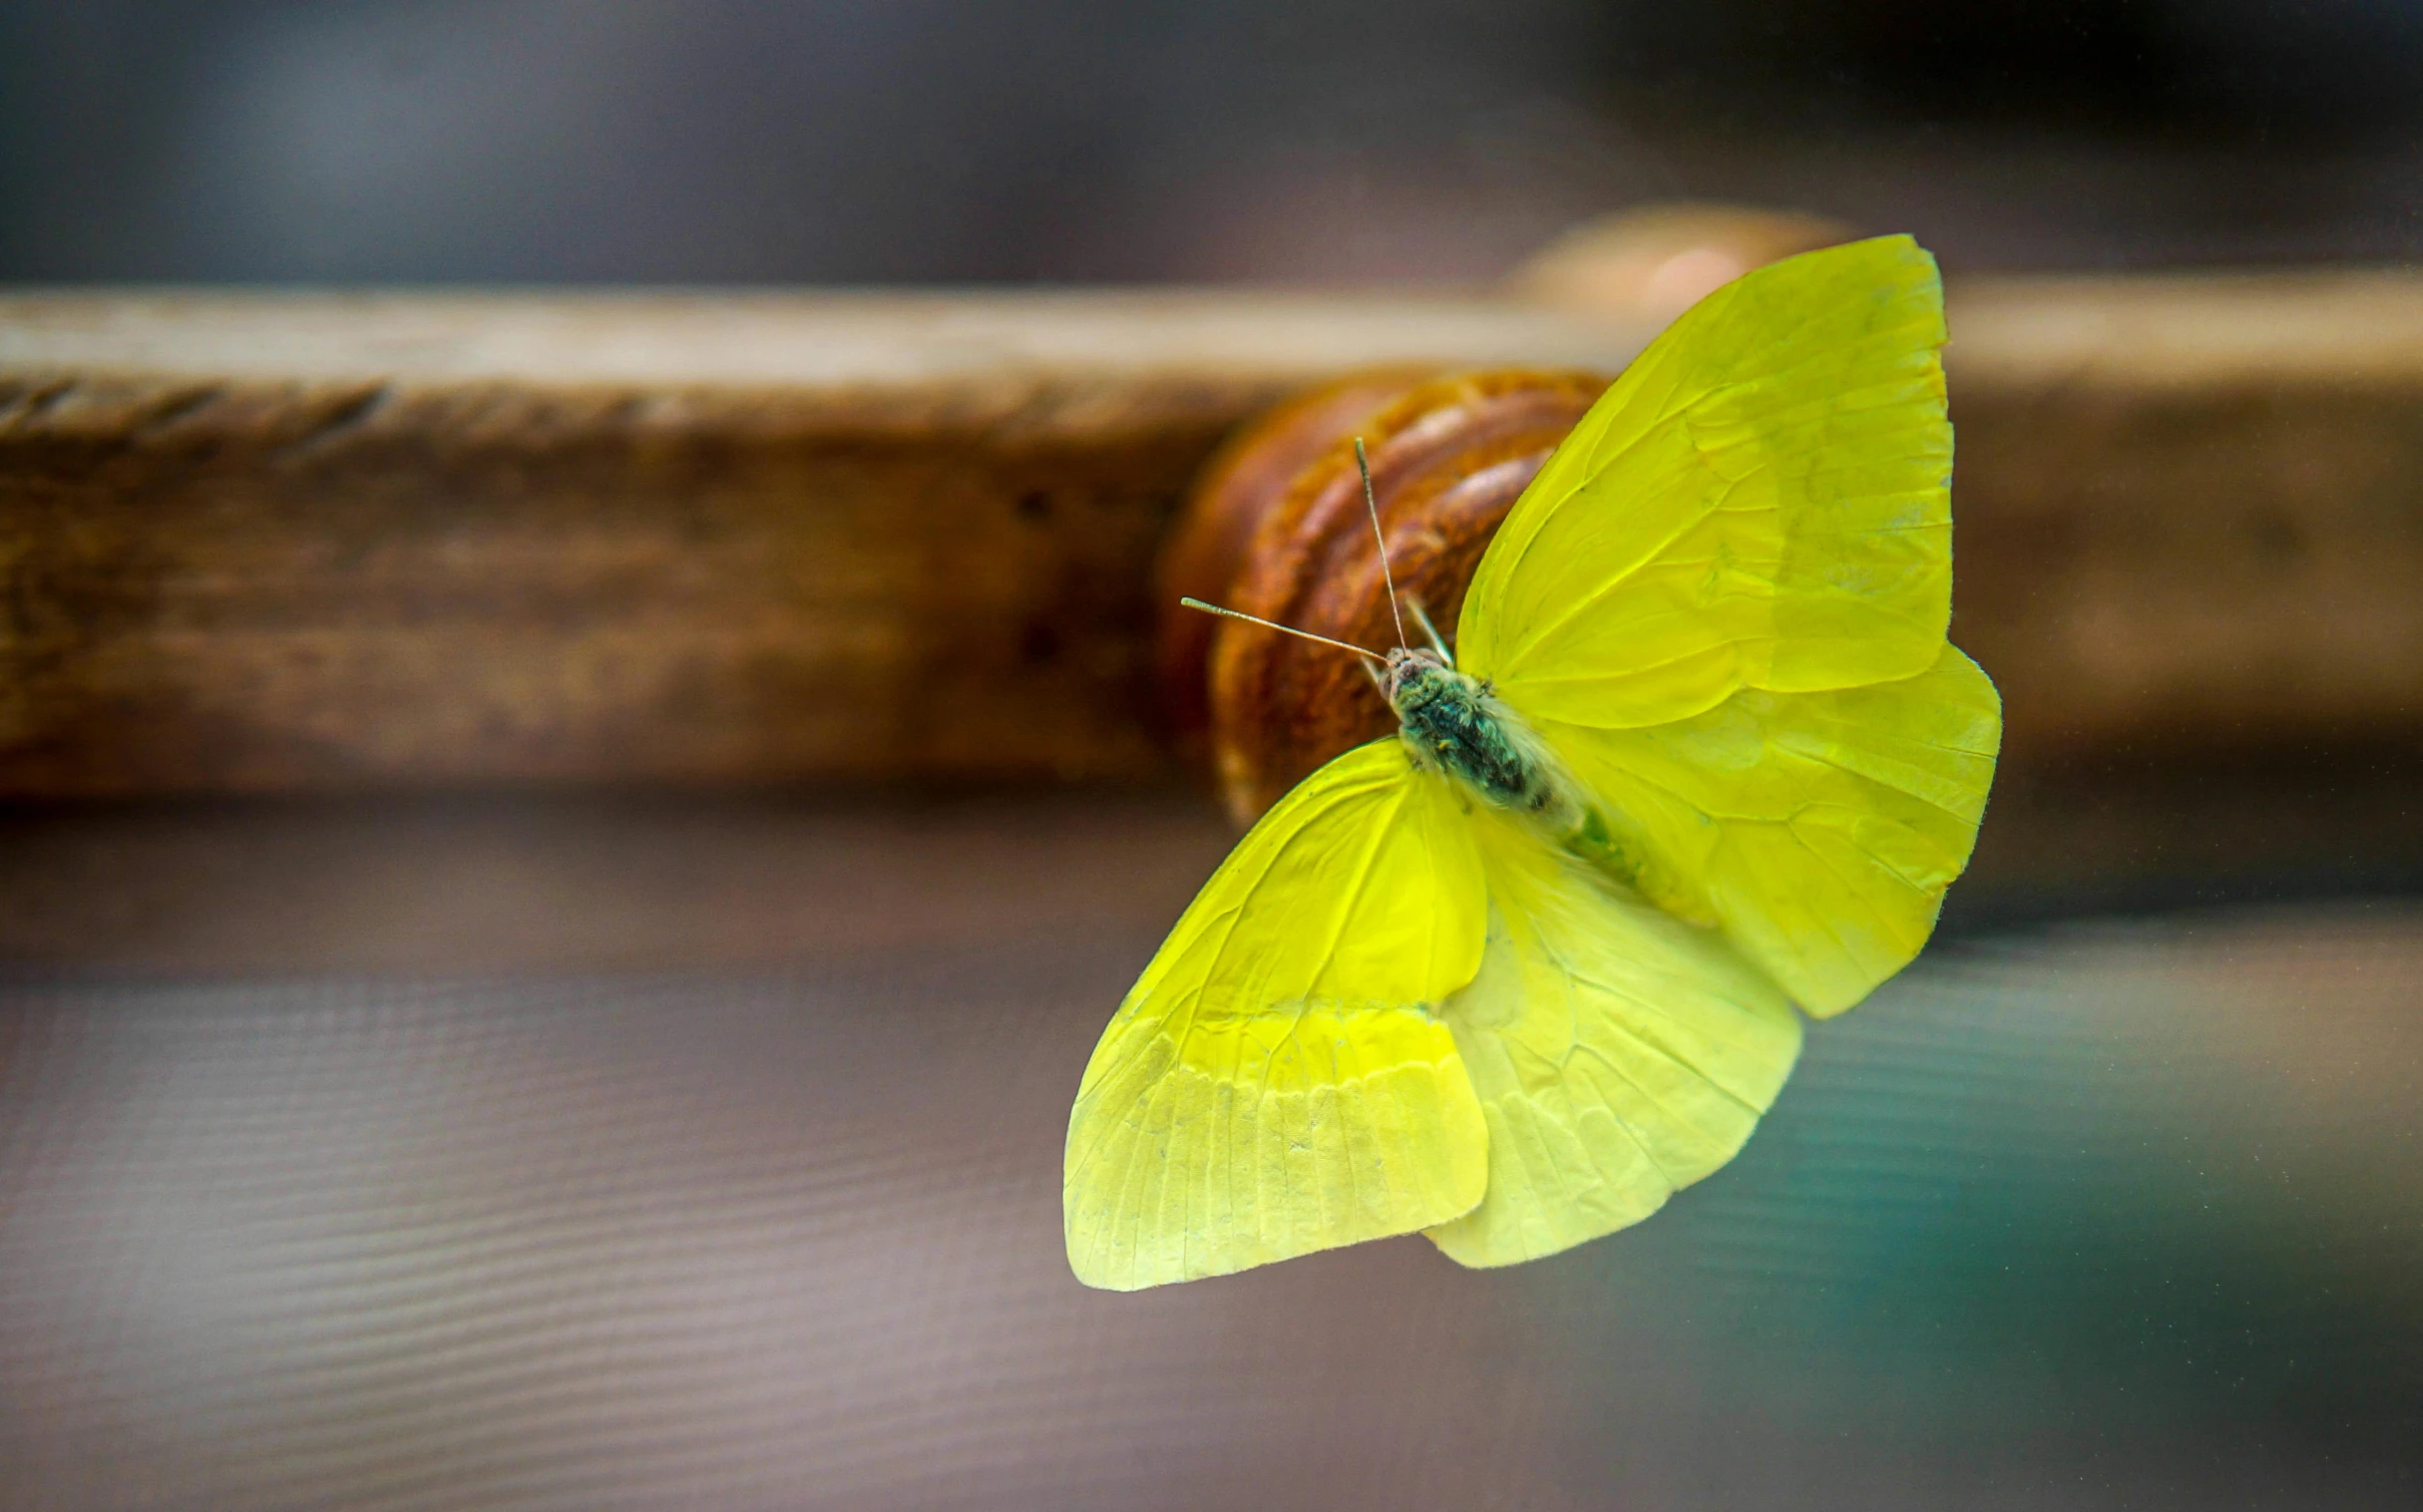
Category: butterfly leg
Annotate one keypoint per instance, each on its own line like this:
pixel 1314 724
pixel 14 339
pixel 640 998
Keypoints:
pixel 1430 629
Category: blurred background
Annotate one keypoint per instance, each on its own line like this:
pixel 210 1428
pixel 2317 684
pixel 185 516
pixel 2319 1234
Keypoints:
pixel 914 140
pixel 701 1148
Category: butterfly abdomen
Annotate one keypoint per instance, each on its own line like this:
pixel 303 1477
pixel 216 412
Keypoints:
pixel 1452 725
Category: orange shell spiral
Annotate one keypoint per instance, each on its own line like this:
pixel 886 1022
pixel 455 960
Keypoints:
pixel 1277 528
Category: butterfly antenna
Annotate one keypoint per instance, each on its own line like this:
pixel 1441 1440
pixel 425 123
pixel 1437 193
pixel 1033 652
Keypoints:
pixel 1363 465
pixel 1272 624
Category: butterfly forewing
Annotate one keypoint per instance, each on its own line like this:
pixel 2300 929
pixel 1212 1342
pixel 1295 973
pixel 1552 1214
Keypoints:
pixel 1761 499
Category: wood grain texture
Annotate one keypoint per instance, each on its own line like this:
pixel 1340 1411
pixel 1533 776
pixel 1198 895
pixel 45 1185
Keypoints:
pixel 277 543
pixel 2190 511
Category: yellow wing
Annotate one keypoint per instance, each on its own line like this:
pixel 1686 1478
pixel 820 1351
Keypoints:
pixel 1723 602
pixel 1278 1082
pixel 1820 828
pixel 1761 499
pixel 1618 1053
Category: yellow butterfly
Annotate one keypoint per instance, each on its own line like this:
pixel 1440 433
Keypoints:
pixel 1700 753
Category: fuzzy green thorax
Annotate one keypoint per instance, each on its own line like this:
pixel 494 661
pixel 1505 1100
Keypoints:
pixel 1454 724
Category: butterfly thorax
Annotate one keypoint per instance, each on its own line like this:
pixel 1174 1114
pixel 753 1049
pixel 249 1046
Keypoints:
pixel 1455 725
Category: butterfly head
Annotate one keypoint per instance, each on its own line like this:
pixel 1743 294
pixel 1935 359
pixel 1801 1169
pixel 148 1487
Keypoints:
pixel 1416 678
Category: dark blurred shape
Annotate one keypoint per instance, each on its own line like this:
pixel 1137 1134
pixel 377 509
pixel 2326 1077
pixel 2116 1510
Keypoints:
pixel 2239 71
pixel 922 140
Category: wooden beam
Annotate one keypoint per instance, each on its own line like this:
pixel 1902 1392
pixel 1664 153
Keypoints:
pixel 283 542
pixel 2189 510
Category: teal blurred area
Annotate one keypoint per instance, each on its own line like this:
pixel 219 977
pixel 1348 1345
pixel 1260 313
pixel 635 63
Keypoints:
pixel 2127 1209
pixel 2121 1212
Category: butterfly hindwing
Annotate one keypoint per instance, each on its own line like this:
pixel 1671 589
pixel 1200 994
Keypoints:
pixel 1820 828
pixel 1618 1052
pixel 1276 1081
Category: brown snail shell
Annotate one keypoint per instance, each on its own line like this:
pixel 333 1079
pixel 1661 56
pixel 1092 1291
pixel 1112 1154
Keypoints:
pixel 1231 496
pixel 1277 529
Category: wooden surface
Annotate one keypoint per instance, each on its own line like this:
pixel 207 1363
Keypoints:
pixel 275 543
pixel 280 543
pixel 2189 512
